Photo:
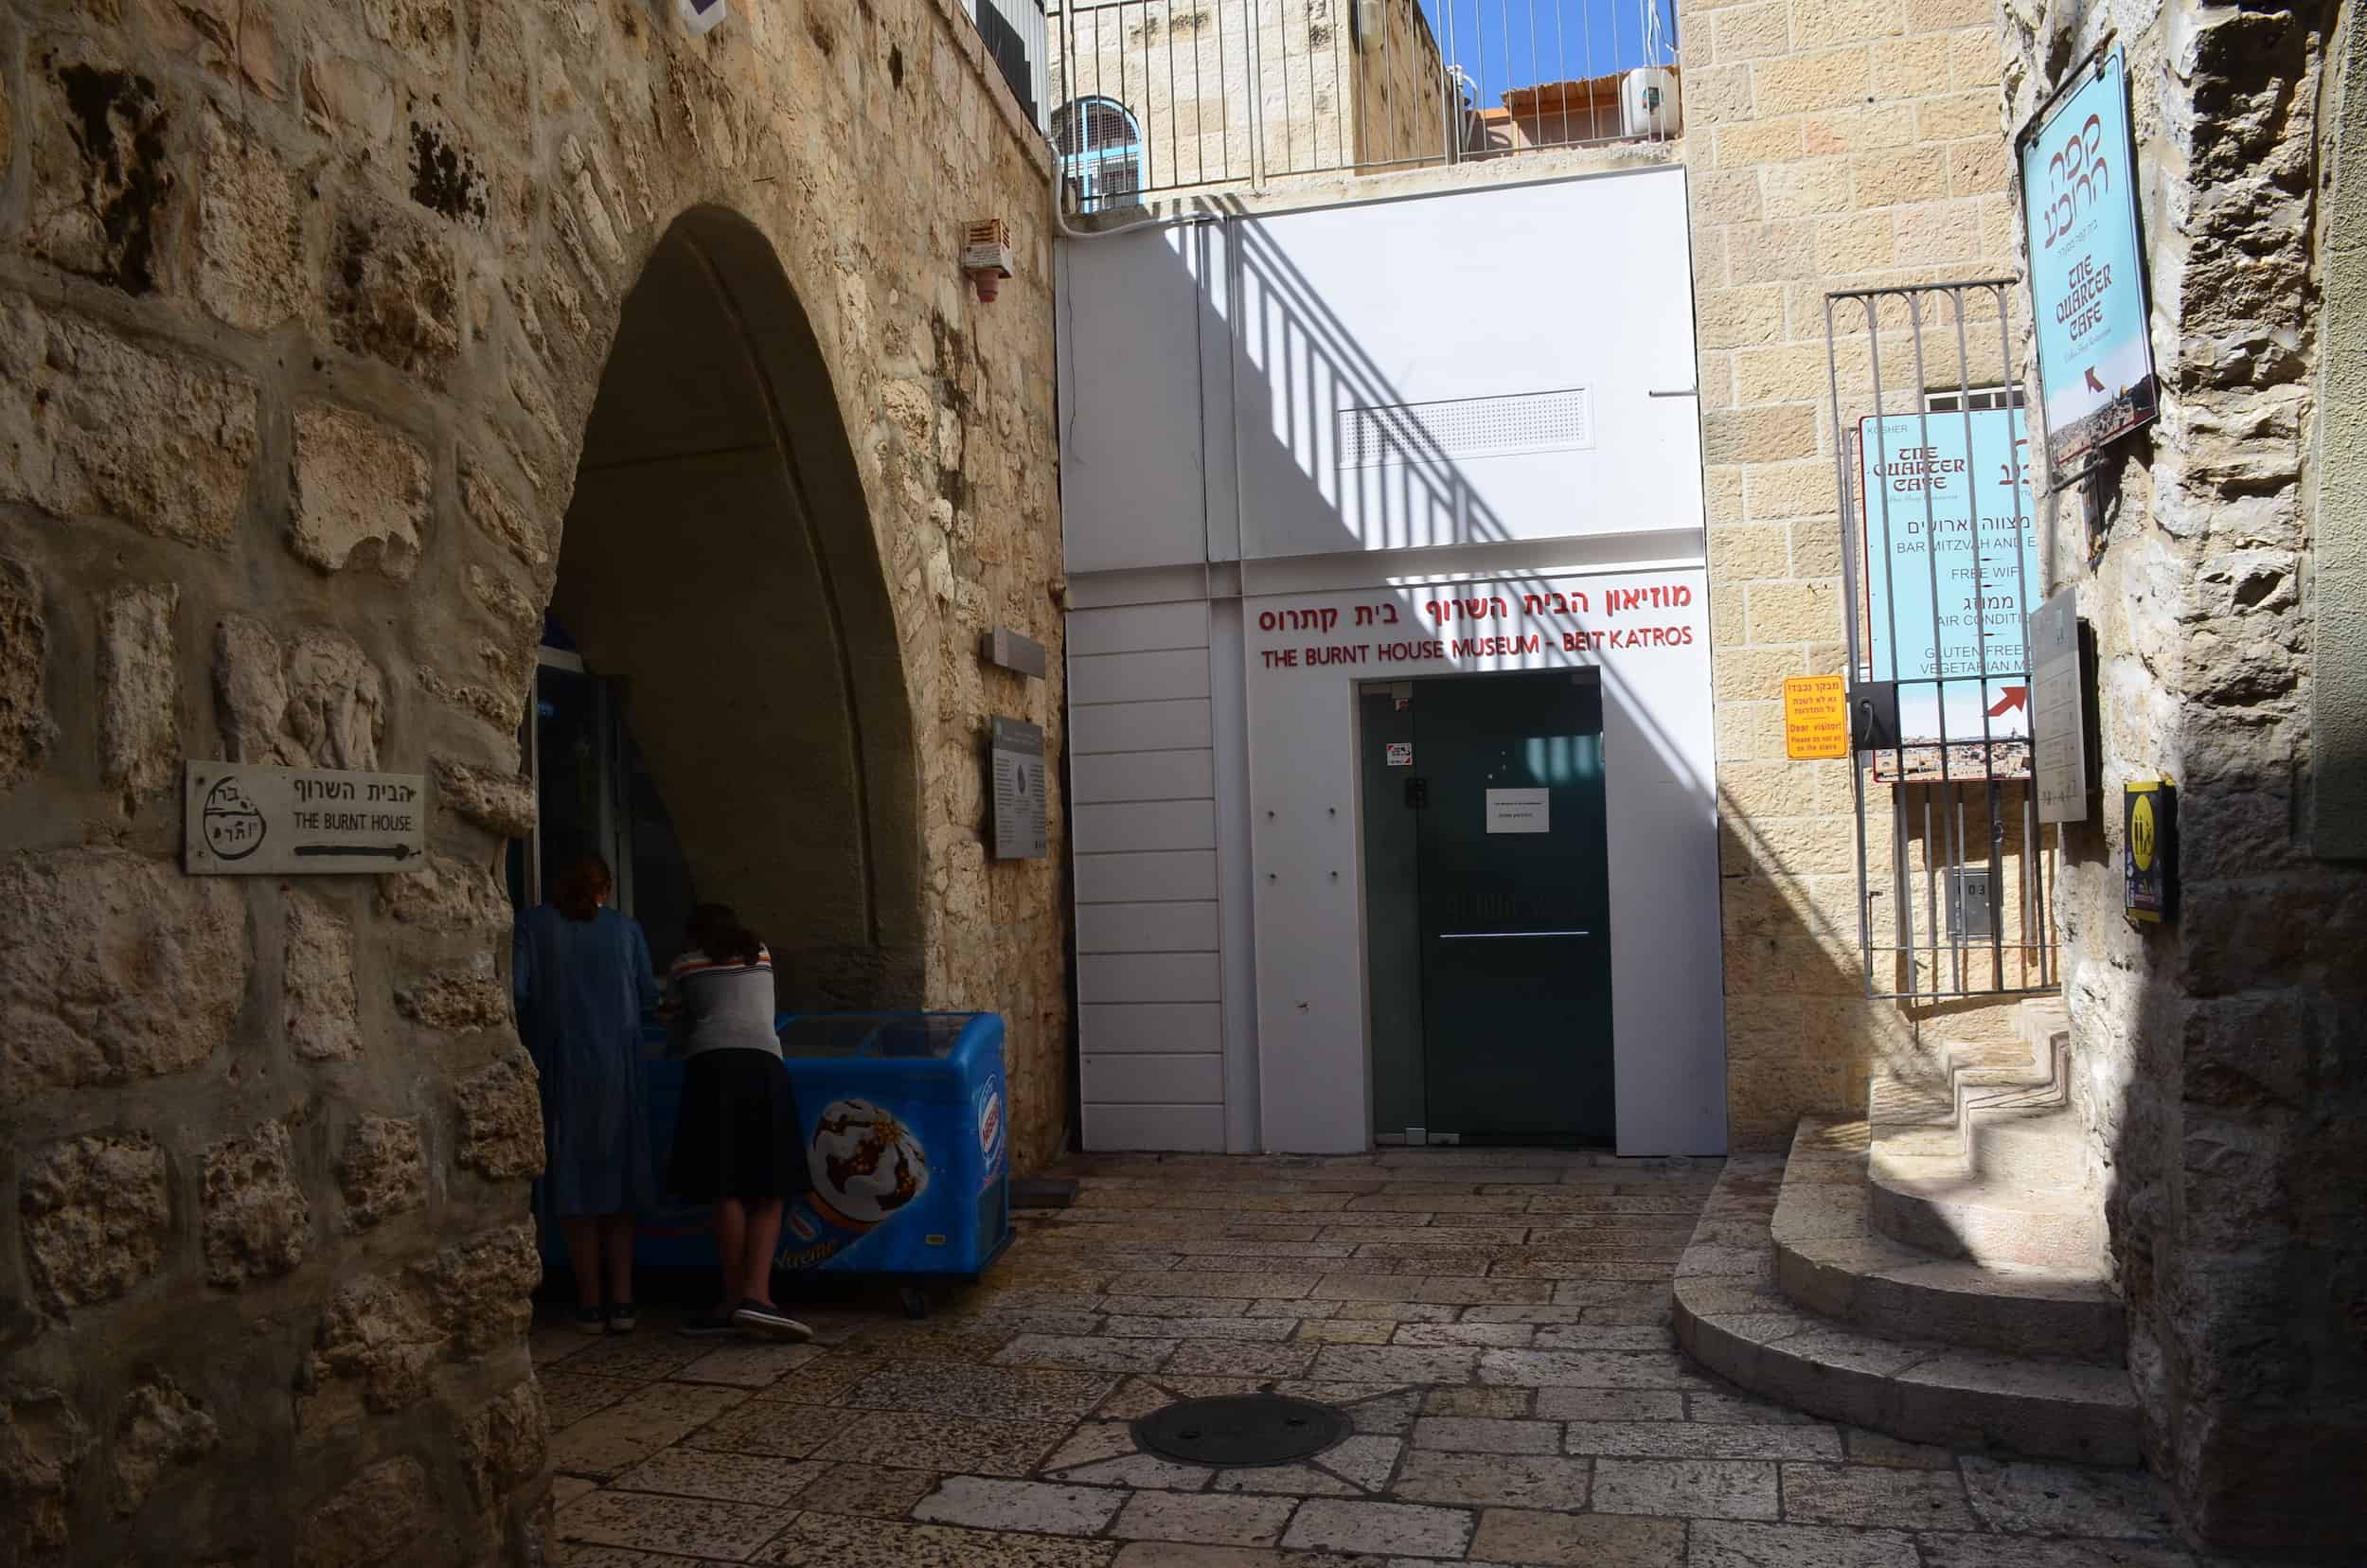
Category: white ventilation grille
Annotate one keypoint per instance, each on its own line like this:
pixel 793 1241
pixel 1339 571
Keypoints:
pixel 1455 429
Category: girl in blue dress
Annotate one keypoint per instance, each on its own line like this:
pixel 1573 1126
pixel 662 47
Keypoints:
pixel 582 975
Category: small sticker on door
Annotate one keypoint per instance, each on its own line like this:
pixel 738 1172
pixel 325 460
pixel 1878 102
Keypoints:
pixel 1519 812
pixel 1401 754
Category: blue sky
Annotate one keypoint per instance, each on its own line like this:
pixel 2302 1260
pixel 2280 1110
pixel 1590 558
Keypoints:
pixel 1545 40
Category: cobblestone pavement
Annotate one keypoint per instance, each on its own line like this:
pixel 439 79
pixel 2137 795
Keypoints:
pixel 1495 1322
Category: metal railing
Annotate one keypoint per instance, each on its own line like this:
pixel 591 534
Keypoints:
pixel 1939 575
pixel 1156 96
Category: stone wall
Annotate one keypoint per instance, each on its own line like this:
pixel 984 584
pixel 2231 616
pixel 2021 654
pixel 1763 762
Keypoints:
pixel 2222 1056
pixel 1830 146
pixel 302 311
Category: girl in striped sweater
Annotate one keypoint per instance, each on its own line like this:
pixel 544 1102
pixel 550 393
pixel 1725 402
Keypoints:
pixel 737 1144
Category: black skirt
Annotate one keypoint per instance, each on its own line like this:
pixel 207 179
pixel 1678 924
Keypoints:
pixel 739 1134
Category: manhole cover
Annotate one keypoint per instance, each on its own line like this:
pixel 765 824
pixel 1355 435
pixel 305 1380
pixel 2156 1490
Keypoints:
pixel 1241 1430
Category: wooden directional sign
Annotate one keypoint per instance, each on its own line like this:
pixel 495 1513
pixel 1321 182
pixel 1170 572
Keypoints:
pixel 243 820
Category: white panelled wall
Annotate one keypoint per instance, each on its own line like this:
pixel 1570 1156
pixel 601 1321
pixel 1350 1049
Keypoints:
pixel 1143 820
pixel 1321 412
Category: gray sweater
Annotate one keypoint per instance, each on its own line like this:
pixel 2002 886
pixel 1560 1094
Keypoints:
pixel 721 1005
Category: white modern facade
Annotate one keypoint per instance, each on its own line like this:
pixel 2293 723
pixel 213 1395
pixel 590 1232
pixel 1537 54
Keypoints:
pixel 1312 458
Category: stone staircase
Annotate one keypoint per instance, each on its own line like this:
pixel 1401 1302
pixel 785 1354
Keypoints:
pixel 1935 1271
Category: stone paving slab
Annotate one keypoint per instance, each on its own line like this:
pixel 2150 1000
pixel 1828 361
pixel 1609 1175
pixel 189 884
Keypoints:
pixel 1496 1327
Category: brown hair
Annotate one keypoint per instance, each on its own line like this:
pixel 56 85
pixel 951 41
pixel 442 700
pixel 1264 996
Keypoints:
pixel 577 890
pixel 716 931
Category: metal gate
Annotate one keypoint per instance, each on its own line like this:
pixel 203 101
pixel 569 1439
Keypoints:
pixel 1940 571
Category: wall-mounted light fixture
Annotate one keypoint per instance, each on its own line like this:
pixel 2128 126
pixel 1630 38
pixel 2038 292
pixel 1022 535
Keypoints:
pixel 987 256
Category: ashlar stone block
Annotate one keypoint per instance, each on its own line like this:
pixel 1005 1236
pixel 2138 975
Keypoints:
pixel 139 732
pixel 503 803
pixel 114 967
pixel 91 426
pixel 357 494
pixel 382 1171
pixel 457 999
pixel 315 701
pixel 41 1441
pixel 323 1012
pixel 95 1213
pixel 371 1519
pixel 250 228
pixel 25 724
pixel 102 185
pixel 157 1427
pixel 392 292
pixel 500 1121
pixel 257 1223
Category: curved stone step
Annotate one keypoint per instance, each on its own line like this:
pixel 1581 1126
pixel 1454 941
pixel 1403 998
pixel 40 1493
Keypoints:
pixel 1732 1319
pixel 1830 1259
pixel 2015 1198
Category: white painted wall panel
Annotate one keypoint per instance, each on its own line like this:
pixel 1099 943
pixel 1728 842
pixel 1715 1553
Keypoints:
pixel 1519 294
pixel 1140 775
pixel 1133 1078
pixel 1145 824
pixel 1139 727
pixel 1147 927
pixel 1190 1129
pixel 1137 627
pixel 1175 1027
pixel 1128 301
pixel 1131 879
pixel 1138 677
pixel 1147 977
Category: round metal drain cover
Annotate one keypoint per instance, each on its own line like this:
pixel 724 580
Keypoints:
pixel 1241 1430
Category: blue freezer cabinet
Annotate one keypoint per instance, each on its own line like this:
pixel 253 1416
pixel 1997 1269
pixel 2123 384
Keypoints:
pixel 906 1141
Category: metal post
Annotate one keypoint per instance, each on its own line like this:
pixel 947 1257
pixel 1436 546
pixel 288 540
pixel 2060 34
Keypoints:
pixel 1849 621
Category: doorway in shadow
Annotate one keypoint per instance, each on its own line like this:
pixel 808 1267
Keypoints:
pixel 722 666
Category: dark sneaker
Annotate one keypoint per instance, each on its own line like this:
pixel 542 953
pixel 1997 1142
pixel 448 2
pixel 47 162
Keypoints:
pixel 623 1318
pixel 705 1325
pixel 766 1319
pixel 591 1320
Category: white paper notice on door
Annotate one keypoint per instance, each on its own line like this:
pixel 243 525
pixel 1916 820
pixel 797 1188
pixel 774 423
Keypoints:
pixel 1519 812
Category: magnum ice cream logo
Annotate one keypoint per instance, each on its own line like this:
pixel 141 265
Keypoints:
pixel 866 1167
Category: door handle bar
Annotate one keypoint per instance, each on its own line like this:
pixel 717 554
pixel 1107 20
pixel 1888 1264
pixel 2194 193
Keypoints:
pixel 1495 935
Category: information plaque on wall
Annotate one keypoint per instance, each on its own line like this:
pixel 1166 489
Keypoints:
pixel 245 820
pixel 1015 748
pixel 2059 719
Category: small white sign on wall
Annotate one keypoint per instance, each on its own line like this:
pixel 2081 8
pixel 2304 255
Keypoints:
pixel 244 819
pixel 1400 753
pixel 1519 812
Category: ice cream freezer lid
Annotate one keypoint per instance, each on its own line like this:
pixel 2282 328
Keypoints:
pixel 877 1035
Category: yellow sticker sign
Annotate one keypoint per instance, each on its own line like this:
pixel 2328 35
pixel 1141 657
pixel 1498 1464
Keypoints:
pixel 1816 718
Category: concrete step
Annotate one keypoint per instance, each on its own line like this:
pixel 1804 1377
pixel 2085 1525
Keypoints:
pixel 1832 1260
pixel 1733 1319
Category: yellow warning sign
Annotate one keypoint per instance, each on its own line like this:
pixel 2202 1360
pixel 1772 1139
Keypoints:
pixel 1816 718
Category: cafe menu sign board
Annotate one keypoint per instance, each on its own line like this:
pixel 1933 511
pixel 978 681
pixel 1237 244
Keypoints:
pixel 2086 280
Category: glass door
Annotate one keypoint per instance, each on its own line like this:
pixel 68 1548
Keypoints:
pixel 1488 908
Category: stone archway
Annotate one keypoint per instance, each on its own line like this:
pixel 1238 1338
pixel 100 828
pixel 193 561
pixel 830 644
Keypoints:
pixel 717 555
pixel 304 311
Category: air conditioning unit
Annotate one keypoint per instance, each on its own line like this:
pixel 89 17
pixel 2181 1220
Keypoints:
pixel 1648 104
